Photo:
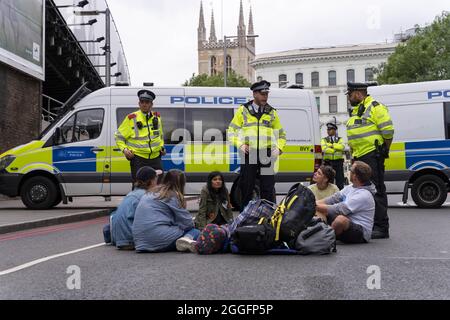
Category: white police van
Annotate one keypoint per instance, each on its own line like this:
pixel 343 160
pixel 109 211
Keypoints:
pixel 420 154
pixel 77 155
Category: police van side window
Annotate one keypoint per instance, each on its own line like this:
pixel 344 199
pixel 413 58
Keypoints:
pixel 447 120
pixel 172 120
pixel 210 124
pixel 82 126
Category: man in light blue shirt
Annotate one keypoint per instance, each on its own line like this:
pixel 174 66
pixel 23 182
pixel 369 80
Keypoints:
pixel 351 211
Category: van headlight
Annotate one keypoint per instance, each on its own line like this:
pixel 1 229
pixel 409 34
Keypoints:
pixel 6 161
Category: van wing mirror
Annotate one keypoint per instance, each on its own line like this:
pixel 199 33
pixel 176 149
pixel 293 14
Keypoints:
pixel 57 136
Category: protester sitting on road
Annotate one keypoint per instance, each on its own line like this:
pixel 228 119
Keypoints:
pixel 323 188
pixel 121 221
pixel 215 206
pixel 162 222
pixel 351 211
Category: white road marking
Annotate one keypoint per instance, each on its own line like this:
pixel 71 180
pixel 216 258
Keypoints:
pixel 45 259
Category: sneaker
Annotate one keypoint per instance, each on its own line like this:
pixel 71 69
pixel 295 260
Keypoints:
pixel 186 244
pixel 380 234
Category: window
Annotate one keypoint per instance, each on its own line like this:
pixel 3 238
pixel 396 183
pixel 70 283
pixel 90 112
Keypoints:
pixel 82 126
pixel 213 66
pixel 333 104
pixel 210 124
pixel 282 81
pixel 447 120
pixel 172 119
pixel 229 64
pixel 259 79
pixel 315 79
pixel 350 75
pixel 332 78
pixel 299 78
pixel 369 74
pixel 318 103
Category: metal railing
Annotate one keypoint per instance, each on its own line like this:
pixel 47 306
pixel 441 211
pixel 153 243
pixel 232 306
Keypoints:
pixel 49 109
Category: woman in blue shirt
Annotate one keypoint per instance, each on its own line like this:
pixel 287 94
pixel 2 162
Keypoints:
pixel 161 218
pixel 122 219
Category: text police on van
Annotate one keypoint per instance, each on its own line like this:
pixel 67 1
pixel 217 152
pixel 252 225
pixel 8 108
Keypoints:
pixel 208 100
pixel 438 94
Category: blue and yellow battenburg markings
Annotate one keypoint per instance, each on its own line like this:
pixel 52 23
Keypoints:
pixel 418 155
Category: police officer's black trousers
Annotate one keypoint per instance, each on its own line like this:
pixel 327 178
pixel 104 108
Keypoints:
pixel 137 162
pixel 250 171
pixel 338 166
pixel 381 202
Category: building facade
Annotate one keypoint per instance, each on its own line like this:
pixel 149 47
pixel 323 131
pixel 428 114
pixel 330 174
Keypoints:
pixel 326 72
pixel 240 48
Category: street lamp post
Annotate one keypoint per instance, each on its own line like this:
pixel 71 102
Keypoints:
pixel 225 69
pixel 107 47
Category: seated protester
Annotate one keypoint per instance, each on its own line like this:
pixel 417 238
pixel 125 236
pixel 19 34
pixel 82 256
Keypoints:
pixel 215 206
pixel 161 218
pixel 323 188
pixel 122 219
pixel 351 211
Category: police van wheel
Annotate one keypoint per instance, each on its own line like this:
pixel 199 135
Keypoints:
pixel 429 192
pixel 39 193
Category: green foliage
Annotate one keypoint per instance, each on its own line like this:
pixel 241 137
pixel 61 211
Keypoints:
pixel 204 80
pixel 424 57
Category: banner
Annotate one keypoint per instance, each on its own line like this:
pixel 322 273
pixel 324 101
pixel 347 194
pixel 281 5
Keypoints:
pixel 22 34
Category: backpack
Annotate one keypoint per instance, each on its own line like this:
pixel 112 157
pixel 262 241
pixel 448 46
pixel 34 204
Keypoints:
pixel 317 238
pixel 294 213
pixel 252 214
pixel 254 239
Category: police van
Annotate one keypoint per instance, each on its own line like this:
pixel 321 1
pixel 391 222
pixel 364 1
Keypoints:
pixel 77 155
pixel 420 154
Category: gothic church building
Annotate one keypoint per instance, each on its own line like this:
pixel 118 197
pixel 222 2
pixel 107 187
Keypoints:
pixel 240 50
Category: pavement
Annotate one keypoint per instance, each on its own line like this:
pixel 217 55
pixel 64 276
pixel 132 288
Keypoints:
pixel 48 263
pixel 14 216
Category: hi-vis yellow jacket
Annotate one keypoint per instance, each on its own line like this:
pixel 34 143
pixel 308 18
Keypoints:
pixel 333 150
pixel 142 134
pixel 370 121
pixel 265 133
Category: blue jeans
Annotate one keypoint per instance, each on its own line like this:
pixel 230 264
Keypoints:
pixel 193 233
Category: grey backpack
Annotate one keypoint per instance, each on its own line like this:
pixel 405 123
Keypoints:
pixel 318 238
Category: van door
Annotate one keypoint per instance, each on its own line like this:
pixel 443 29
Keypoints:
pixel 81 153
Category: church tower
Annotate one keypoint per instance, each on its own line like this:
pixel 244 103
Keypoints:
pixel 240 50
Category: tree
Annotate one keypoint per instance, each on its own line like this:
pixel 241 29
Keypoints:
pixel 424 57
pixel 204 80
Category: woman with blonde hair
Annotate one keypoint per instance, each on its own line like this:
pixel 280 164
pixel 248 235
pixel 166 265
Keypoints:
pixel 161 218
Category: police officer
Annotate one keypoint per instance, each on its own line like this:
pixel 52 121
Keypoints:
pixel 140 136
pixel 333 153
pixel 257 133
pixel 370 132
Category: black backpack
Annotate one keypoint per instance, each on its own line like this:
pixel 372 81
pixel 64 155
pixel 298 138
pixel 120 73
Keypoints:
pixel 294 213
pixel 254 239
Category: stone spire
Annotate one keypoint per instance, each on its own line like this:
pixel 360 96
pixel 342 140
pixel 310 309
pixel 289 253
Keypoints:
pixel 212 35
pixel 201 26
pixel 251 30
pixel 242 38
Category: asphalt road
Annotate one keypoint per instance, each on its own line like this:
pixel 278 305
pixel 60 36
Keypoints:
pixel 414 264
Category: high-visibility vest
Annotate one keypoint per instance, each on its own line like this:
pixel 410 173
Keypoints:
pixel 141 134
pixel 369 122
pixel 263 133
pixel 333 150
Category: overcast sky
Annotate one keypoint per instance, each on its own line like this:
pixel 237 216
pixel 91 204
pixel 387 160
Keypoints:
pixel 160 36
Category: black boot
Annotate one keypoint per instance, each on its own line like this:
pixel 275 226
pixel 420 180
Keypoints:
pixel 380 233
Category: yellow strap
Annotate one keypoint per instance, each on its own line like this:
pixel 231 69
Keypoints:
pixel 261 221
pixel 292 201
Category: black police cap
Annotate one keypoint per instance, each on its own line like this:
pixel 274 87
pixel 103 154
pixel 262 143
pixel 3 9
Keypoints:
pixel 146 95
pixel 262 86
pixel 331 126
